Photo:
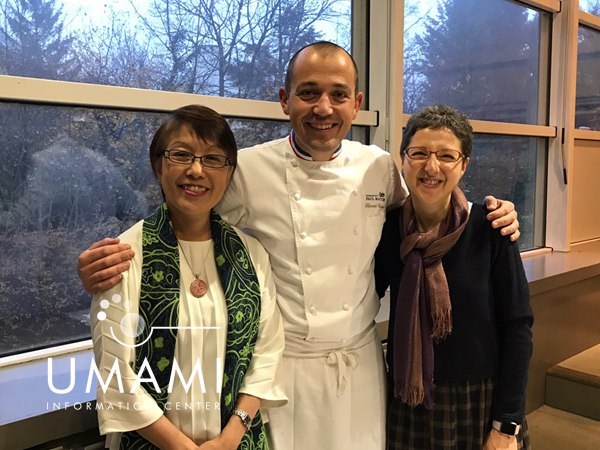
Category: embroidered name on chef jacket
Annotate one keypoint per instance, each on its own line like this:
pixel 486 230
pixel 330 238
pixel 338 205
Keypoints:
pixel 375 200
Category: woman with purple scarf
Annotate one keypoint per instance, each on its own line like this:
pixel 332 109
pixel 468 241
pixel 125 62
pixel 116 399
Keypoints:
pixel 460 326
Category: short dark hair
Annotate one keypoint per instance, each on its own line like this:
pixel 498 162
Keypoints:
pixel 208 126
pixel 324 49
pixel 440 116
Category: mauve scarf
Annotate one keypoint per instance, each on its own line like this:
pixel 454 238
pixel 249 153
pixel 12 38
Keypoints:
pixel 423 308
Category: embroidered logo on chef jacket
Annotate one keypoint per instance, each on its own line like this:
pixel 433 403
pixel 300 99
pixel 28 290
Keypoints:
pixel 375 200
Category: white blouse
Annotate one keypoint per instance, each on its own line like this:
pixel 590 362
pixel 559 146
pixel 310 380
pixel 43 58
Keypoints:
pixel 195 413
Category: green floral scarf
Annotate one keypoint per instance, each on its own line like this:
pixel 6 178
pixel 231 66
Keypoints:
pixel 159 307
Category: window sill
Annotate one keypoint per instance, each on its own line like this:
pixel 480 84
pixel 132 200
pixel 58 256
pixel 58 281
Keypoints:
pixel 552 270
pixel 32 414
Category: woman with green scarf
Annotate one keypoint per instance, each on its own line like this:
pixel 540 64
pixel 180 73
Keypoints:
pixel 460 325
pixel 188 346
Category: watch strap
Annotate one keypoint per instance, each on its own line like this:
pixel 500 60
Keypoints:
pixel 509 428
pixel 244 416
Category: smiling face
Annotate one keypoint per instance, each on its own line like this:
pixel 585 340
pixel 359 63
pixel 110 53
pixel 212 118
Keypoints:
pixel 430 182
pixel 191 191
pixel 322 102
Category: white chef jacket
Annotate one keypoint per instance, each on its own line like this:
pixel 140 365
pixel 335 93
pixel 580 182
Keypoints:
pixel 193 412
pixel 321 223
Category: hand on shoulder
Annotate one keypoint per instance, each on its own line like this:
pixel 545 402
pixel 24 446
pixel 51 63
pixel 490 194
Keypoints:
pixel 100 266
pixel 503 216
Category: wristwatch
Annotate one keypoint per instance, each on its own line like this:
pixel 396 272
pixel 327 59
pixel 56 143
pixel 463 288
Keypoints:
pixel 245 417
pixel 509 428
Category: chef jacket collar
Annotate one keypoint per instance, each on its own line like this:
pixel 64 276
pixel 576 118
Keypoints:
pixel 306 156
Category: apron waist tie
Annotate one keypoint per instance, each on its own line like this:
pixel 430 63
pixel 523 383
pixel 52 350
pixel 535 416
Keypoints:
pixel 344 361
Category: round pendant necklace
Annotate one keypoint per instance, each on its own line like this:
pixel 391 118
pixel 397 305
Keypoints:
pixel 198 287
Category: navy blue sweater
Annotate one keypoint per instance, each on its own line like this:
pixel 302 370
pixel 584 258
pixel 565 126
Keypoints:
pixel 491 311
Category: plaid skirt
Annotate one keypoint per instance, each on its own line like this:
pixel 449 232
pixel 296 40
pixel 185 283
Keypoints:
pixel 460 420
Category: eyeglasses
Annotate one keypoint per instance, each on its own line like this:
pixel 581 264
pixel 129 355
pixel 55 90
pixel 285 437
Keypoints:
pixel 187 158
pixel 444 156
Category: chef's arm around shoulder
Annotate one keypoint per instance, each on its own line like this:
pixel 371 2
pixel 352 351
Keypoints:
pixel 503 215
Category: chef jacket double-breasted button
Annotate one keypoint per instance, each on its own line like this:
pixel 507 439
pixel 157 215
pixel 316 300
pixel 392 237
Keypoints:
pixel 356 230
pixel 350 270
pixel 346 306
pixel 294 163
pixel 313 310
pixel 304 235
pixel 355 192
pixel 297 196
pixel 308 271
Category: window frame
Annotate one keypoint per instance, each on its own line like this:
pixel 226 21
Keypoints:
pixel 67 93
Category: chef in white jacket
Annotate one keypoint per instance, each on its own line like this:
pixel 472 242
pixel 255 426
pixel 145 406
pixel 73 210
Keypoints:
pixel 317 204
pixel 321 222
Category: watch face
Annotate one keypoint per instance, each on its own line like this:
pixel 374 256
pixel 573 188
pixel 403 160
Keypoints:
pixel 508 428
pixel 248 422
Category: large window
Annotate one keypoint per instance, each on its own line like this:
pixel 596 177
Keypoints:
pixel 71 175
pixel 488 60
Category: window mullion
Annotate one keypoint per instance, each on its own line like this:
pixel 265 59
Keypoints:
pixel 65 93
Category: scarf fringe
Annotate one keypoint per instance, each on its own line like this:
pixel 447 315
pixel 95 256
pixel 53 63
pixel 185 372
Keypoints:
pixel 442 325
pixel 411 395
